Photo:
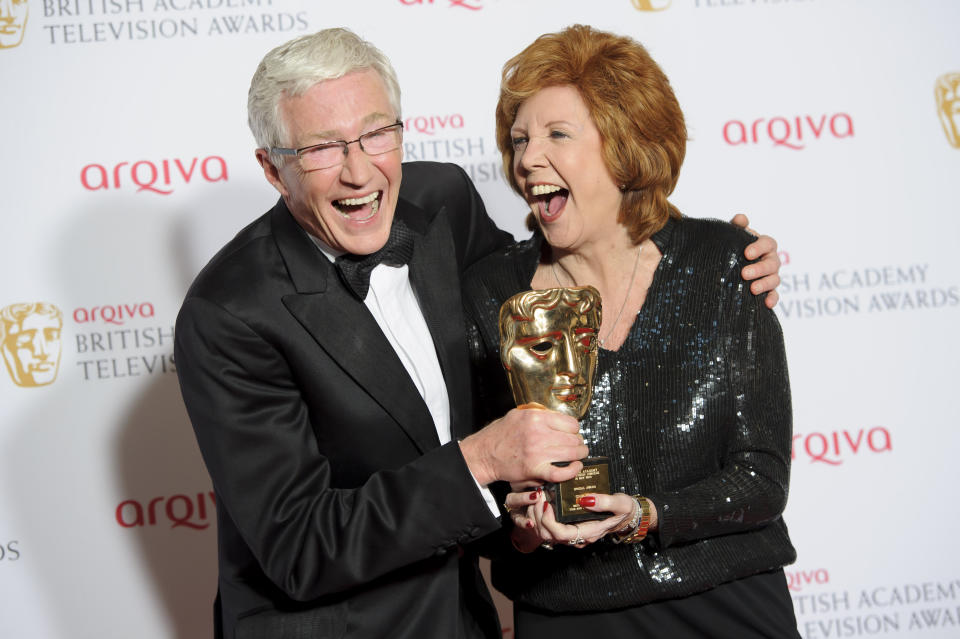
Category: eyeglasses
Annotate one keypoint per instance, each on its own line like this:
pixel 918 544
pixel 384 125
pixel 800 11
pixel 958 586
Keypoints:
pixel 331 154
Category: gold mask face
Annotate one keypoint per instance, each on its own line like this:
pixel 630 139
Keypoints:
pixel 13 22
pixel 948 106
pixel 548 346
pixel 30 342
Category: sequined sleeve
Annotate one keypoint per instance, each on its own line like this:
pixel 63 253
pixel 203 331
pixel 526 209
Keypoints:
pixel 750 490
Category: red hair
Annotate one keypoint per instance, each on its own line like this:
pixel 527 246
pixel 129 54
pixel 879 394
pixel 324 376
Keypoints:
pixel 631 103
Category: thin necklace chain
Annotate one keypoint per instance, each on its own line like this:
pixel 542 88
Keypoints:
pixel 636 264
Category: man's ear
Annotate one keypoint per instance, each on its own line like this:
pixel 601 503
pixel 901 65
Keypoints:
pixel 270 171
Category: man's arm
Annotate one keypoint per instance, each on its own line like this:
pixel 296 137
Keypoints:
pixel 274 479
pixel 276 484
pixel 764 273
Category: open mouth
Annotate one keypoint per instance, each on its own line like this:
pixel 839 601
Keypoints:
pixel 568 394
pixel 359 209
pixel 549 200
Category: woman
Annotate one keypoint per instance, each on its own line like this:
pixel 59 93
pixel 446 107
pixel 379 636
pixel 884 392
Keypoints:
pixel 691 399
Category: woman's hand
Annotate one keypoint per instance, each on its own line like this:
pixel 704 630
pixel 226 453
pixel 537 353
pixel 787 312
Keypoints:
pixel 765 274
pixel 535 523
pixel 520 505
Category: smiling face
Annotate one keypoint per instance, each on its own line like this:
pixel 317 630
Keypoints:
pixel 350 207
pixel 548 347
pixel 559 167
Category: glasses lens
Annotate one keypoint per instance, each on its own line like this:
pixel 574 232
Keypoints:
pixel 381 140
pixel 321 157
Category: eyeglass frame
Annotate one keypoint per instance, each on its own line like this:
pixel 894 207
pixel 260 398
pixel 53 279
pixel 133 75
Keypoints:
pixel 344 144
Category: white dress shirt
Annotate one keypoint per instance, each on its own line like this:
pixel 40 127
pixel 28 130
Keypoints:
pixel 394 306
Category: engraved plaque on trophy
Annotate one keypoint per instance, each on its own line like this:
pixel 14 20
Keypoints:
pixel 548 347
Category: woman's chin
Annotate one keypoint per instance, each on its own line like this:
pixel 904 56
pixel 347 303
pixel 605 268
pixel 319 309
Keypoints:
pixel 558 234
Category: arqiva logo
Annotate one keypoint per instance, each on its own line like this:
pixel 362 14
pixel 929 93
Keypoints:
pixel 430 124
pixel 833 448
pixel 797 579
pixel 159 177
pixel 113 314
pixel 188 511
pixel 793 133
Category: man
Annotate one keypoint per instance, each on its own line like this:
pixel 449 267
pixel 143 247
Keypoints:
pixel 334 413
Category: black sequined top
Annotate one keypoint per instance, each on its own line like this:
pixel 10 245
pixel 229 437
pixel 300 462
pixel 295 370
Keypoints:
pixel 693 412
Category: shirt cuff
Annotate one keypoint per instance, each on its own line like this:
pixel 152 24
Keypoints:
pixel 488 499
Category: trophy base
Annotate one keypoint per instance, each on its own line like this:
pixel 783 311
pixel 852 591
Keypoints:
pixel 594 478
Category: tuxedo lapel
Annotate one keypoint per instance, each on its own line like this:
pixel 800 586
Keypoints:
pixel 344 328
pixel 435 280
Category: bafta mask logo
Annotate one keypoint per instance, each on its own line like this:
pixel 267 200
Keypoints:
pixel 947 91
pixel 13 22
pixel 548 346
pixel 31 342
pixel 651 5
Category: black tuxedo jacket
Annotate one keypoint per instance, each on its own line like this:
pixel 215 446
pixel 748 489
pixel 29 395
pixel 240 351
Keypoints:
pixel 339 513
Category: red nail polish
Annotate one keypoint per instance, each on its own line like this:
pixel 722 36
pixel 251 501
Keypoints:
pixel 529 524
pixel 587 501
pixel 533 495
pixel 545 505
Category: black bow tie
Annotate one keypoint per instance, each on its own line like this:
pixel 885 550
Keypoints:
pixel 355 269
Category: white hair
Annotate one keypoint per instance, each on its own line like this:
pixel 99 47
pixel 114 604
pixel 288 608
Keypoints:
pixel 293 68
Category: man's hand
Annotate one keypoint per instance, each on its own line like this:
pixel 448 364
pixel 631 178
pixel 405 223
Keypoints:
pixel 765 273
pixel 521 446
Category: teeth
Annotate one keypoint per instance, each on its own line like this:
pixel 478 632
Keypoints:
pixel 543 189
pixel 357 201
pixel 373 211
pixel 373 198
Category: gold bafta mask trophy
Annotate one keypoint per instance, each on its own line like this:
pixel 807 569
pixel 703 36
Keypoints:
pixel 948 106
pixel 548 346
pixel 13 22
pixel 30 342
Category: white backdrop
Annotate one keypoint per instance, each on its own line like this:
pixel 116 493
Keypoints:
pixel 127 162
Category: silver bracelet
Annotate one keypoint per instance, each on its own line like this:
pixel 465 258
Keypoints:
pixel 622 533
